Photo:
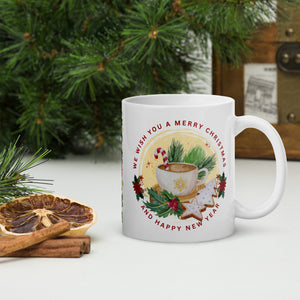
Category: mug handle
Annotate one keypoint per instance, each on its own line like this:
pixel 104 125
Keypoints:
pixel 241 123
pixel 206 174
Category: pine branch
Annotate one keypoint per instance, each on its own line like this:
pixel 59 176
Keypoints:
pixel 194 156
pixel 175 151
pixel 43 118
pixel 197 156
pixel 59 59
pixel 82 71
pixel 209 163
pixel 150 33
pixel 13 181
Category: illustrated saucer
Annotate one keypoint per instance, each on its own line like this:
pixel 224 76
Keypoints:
pixel 185 198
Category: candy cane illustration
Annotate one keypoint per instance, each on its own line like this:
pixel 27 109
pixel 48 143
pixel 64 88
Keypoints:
pixel 164 156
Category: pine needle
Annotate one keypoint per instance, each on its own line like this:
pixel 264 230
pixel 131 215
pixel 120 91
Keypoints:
pixel 175 151
pixel 194 156
pixel 66 64
pixel 209 163
pixel 13 181
pixel 198 157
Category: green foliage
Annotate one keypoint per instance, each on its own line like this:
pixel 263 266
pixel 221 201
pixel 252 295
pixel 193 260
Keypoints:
pixel 82 70
pixel 150 34
pixel 159 203
pixel 175 151
pixel 43 122
pixel 13 181
pixel 66 64
pixel 208 162
pixel 196 155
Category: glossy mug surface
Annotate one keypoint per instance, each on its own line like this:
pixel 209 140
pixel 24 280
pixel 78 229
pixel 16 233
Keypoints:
pixel 178 176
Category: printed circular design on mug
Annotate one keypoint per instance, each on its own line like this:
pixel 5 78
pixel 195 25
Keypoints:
pixel 179 174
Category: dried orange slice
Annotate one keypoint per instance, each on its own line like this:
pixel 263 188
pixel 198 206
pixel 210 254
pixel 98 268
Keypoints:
pixel 34 212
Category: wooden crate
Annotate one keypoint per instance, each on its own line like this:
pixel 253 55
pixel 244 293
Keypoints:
pixel 229 81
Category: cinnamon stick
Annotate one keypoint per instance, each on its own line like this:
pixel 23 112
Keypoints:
pixel 24 241
pixel 60 242
pixel 64 252
pixel 85 238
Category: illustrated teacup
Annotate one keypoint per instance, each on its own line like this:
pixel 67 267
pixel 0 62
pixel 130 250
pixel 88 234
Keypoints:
pixel 180 179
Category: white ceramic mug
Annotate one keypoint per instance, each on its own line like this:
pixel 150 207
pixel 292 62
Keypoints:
pixel 197 131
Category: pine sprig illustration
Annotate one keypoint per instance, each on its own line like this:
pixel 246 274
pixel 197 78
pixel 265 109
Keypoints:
pixel 13 181
pixel 175 151
pixel 209 163
pixel 195 155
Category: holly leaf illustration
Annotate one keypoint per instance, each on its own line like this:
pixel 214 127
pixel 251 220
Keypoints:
pixel 159 203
